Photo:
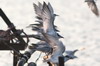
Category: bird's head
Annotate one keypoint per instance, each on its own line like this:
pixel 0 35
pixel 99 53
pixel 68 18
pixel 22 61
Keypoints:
pixel 70 54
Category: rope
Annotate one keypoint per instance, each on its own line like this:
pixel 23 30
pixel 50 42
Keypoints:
pixel 38 57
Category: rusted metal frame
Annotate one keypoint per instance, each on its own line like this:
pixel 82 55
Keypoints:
pixel 12 27
pixel 14 45
pixel 33 36
pixel 17 35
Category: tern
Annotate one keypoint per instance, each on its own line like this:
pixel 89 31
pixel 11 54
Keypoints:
pixel 39 10
pixel 51 43
pixel 43 12
pixel 46 16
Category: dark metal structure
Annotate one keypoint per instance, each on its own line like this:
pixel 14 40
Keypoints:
pixel 61 61
pixel 10 45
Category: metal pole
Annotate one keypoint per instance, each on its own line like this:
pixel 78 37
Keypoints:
pixel 15 58
pixel 61 61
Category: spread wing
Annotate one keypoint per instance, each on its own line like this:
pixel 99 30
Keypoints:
pixel 48 20
pixel 46 17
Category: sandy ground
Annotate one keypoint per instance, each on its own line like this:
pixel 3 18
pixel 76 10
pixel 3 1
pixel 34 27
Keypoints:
pixel 79 26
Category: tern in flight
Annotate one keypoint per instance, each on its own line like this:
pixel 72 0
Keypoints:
pixel 51 44
pixel 46 17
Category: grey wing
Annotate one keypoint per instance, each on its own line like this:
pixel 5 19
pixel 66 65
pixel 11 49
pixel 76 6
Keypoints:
pixel 51 11
pixel 37 9
pixel 94 8
pixel 53 16
pixel 92 5
pixel 40 5
pixel 43 47
pixel 48 20
pixel 46 17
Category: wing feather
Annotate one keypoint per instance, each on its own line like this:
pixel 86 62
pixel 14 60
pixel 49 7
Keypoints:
pixel 37 9
pixel 92 5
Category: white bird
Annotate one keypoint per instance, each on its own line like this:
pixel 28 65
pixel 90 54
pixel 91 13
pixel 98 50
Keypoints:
pixel 39 10
pixel 92 5
pixel 46 16
pixel 48 31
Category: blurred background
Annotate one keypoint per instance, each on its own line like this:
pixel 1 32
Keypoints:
pixel 79 26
